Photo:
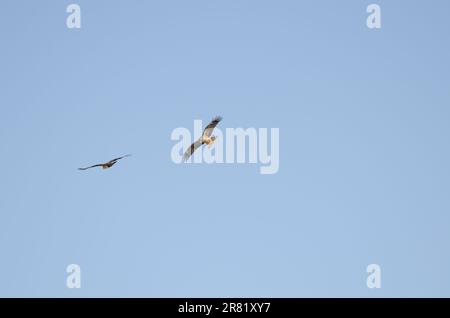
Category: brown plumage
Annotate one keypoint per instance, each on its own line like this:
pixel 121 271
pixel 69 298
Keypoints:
pixel 206 138
pixel 105 165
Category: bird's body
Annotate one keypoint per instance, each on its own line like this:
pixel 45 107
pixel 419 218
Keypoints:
pixel 206 139
pixel 108 165
pixel 105 165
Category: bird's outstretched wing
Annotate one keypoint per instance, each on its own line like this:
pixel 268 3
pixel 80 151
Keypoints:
pixel 192 149
pixel 94 166
pixel 209 129
pixel 117 159
pixel 110 163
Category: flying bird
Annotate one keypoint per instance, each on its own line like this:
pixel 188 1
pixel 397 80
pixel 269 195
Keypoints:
pixel 105 165
pixel 205 139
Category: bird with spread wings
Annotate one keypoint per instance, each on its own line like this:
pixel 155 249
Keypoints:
pixel 106 165
pixel 206 139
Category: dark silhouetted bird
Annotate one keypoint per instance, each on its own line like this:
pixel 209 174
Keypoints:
pixel 106 165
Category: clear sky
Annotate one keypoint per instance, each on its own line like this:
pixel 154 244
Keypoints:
pixel 364 125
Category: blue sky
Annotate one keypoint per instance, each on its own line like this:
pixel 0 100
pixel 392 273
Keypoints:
pixel 364 126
